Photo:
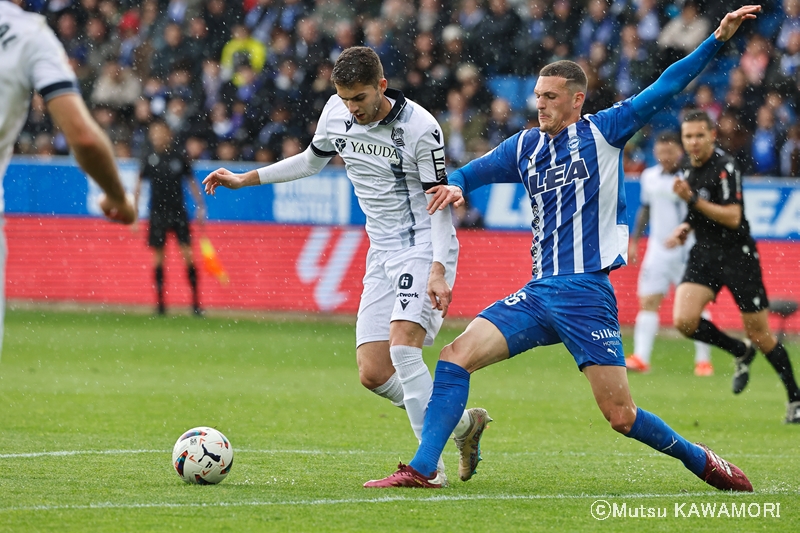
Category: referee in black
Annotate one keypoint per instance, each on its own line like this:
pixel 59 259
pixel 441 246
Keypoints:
pixel 725 254
pixel 166 167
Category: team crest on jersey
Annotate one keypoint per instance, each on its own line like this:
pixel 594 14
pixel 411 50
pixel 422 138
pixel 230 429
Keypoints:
pixel 397 137
pixel 573 144
pixel 339 144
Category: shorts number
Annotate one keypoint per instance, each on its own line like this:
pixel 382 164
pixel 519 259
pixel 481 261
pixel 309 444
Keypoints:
pixel 515 298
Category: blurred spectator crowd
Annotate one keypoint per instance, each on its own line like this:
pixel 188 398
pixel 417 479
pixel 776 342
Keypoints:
pixel 246 80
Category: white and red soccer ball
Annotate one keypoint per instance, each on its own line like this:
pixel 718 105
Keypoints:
pixel 202 455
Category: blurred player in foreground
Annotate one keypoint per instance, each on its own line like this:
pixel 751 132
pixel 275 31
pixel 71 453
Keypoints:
pixel 725 254
pixel 394 153
pixel 661 209
pixel 571 167
pixel 33 58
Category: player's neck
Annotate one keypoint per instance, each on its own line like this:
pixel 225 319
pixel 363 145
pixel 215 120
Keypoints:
pixel 384 109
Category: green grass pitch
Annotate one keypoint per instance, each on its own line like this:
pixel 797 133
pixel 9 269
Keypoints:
pixel 92 404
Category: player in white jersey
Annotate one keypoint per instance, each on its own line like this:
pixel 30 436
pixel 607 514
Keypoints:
pixel 662 210
pixel 393 152
pixel 32 58
pixel 571 167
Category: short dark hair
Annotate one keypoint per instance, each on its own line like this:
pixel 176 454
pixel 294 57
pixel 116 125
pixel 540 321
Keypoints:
pixel 357 65
pixel 696 115
pixel 569 70
pixel 668 137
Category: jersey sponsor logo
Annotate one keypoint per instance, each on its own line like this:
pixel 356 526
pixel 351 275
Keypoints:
pixel 397 137
pixel 439 165
pixel 600 334
pixel 437 136
pixel 378 150
pixel 556 177
pixel 406 281
pixel 349 124
pixel 340 144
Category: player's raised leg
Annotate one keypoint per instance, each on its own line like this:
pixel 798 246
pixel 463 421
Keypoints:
pixel 610 388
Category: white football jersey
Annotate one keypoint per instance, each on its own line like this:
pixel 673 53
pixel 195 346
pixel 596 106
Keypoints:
pixel 667 210
pixel 31 57
pixel 390 163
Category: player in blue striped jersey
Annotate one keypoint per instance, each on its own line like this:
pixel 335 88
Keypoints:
pixel 571 167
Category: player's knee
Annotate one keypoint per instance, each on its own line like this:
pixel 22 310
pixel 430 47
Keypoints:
pixel 371 379
pixel 622 420
pixel 453 354
pixel 687 325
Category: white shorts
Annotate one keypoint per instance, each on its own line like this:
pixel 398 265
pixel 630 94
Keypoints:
pixel 396 288
pixel 662 267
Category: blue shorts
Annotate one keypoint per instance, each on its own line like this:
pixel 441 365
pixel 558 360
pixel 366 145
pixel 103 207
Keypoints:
pixel 579 310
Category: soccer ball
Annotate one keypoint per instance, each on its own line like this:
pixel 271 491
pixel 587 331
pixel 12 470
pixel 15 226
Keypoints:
pixel 202 455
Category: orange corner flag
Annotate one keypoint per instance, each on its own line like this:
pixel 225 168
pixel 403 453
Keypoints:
pixel 211 261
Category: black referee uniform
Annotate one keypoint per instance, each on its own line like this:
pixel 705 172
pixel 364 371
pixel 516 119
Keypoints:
pixel 166 172
pixel 723 256
pixel 728 257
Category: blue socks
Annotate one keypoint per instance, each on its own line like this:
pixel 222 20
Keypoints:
pixel 654 432
pixel 450 393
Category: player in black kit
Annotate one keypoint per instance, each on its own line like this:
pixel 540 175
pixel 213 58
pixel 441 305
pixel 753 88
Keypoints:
pixel 724 255
pixel 166 167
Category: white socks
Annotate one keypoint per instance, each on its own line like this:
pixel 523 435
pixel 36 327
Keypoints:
pixel 392 390
pixel 416 381
pixel 644 334
pixel 417 385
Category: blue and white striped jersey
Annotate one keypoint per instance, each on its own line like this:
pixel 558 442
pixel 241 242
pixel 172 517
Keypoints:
pixel 575 180
pixel 576 185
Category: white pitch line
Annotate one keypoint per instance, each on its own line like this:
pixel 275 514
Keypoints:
pixel 67 453
pixel 383 499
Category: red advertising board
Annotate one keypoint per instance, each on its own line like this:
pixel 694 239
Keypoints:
pixel 315 269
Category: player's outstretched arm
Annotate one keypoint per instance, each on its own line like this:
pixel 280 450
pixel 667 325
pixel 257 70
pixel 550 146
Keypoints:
pixel 92 151
pixel 225 178
pixel 678 75
pixel 731 22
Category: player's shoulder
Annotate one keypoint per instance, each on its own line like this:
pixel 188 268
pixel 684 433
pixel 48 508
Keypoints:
pixel 24 22
pixel 418 121
pixel 651 173
pixel 723 158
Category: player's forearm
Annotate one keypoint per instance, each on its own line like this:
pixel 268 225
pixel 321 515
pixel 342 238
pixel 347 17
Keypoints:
pixel 729 215
pixel 298 166
pixel 441 234
pixel 96 157
pixel 675 79
pixel 641 221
